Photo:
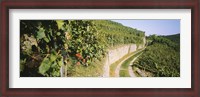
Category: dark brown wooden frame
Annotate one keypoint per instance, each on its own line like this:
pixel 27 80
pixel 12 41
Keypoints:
pixel 99 4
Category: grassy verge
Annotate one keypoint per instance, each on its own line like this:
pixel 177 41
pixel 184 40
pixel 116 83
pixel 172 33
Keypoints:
pixel 124 67
pixel 93 70
pixel 114 65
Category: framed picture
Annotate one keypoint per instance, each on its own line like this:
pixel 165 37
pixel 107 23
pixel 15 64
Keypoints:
pixel 105 48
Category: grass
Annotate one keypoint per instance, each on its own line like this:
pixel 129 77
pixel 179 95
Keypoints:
pixel 124 67
pixel 124 73
pixel 114 65
pixel 95 69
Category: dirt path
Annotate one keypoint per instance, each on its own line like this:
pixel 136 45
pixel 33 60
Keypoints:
pixel 117 70
pixel 119 65
pixel 130 69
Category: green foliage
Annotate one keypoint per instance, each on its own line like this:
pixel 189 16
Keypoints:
pixel 175 38
pixel 93 70
pixel 160 39
pixel 41 44
pixel 161 57
pixel 124 72
pixel 50 66
pixel 83 44
pixel 40 33
pixel 112 33
pixel 45 45
pixel 60 23
pixel 45 65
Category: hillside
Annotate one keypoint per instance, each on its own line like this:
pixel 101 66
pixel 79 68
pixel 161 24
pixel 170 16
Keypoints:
pixel 52 48
pixel 114 33
pixel 174 38
pixel 161 57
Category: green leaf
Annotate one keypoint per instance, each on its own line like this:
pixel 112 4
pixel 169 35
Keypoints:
pixel 40 33
pixel 46 39
pixel 60 23
pixel 45 65
pixel 56 73
pixel 58 33
pixel 54 65
pixel 156 65
pixel 53 57
pixel 88 28
pixel 60 62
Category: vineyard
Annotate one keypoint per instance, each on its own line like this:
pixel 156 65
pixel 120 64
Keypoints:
pixel 94 48
pixel 161 57
pixel 54 48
